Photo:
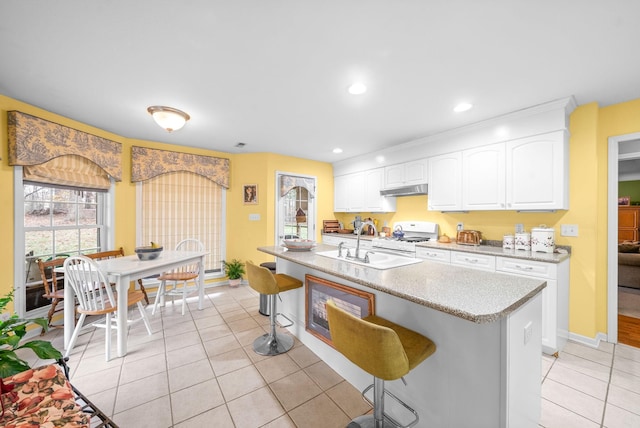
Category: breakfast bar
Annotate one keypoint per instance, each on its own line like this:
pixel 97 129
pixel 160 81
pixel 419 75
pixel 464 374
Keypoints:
pixel 486 327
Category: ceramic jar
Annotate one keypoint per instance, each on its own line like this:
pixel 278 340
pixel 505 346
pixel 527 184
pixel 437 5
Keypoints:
pixel 523 241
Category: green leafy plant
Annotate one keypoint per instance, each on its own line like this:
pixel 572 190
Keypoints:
pixel 12 330
pixel 234 269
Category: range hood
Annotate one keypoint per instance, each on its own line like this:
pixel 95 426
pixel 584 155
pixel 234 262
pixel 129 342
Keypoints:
pixel 416 189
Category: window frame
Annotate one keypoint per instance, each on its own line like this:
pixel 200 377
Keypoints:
pixel 106 240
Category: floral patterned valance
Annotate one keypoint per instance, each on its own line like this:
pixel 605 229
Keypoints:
pixel 147 163
pixel 34 141
pixel 288 182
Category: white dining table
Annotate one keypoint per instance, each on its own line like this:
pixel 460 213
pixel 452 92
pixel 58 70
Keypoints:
pixel 123 270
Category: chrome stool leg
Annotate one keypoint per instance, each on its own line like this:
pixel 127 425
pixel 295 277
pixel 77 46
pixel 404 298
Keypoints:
pixel 272 343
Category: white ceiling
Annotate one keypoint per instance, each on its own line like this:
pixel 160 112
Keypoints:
pixel 273 73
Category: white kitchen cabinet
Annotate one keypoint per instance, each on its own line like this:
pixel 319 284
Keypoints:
pixel 434 254
pixel 483 178
pixel 475 261
pixel 348 193
pixel 537 172
pixel 406 174
pixel 445 182
pixel 373 183
pixel 555 297
pixel 360 192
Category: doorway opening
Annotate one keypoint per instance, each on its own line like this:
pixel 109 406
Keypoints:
pixel 295 207
pixel 623 308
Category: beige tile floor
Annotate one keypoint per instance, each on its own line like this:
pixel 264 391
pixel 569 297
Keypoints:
pixel 199 370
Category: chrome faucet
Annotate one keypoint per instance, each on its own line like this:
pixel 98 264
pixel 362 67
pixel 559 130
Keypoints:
pixel 358 233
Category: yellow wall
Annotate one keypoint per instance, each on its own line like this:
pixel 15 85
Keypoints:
pixel 245 236
pixel 590 128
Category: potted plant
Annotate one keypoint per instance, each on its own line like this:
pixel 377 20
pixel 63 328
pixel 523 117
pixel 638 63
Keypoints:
pixel 12 330
pixel 234 270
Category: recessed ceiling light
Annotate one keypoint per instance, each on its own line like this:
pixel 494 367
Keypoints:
pixel 357 88
pixel 380 159
pixel 462 107
pixel 337 150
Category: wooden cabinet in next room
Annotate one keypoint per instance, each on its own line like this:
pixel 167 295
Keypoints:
pixel 628 223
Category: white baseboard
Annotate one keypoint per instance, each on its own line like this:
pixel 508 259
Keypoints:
pixel 593 342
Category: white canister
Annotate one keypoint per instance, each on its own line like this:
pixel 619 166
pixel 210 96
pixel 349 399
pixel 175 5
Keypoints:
pixel 507 242
pixel 543 239
pixel 523 241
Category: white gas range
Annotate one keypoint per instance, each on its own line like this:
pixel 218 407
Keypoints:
pixel 414 231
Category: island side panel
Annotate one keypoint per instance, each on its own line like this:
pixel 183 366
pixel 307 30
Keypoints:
pixel 465 383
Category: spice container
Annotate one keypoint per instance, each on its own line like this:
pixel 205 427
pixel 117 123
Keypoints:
pixel 523 241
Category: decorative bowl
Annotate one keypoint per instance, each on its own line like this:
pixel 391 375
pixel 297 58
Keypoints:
pixel 299 243
pixel 148 253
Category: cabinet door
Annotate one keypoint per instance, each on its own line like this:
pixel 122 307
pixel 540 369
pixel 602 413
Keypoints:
pixel 355 192
pixel 373 202
pixel 445 182
pixel 393 176
pixel 340 194
pixel 483 178
pixel 475 261
pixel 416 172
pixel 537 172
pixel 434 254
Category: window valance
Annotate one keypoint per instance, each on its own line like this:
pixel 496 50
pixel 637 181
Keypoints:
pixel 33 141
pixel 147 163
pixel 288 182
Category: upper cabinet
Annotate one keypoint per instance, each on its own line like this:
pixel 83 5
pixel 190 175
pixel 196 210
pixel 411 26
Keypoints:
pixel 360 192
pixel 483 178
pixel 405 174
pixel 445 185
pixel 538 172
pixel 524 174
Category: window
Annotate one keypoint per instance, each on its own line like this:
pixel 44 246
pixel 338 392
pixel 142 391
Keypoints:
pixel 180 205
pixel 296 207
pixel 58 221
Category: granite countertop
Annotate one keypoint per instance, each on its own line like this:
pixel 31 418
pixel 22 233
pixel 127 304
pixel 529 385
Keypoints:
pixel 471 294
pixel 498 251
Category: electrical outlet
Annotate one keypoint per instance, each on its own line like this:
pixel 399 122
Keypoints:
pixel 519 227
pixel 254 217
pixel 569 229
pixel 459 227
pixel 528 332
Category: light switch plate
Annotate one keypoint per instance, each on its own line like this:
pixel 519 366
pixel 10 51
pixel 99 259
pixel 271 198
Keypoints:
pixel 569 229
pixel 254 217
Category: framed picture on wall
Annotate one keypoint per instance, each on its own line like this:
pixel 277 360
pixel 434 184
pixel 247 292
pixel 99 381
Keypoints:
pixel 624 200
pixel 318 291
pixel 250 194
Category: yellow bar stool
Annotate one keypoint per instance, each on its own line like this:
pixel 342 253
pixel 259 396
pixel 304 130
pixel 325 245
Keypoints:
pixel 264 282
pixel 385 350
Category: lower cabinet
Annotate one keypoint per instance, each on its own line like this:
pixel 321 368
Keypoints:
pixel 555 297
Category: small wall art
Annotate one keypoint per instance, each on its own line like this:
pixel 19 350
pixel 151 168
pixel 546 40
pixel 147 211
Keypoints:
pixel 250 194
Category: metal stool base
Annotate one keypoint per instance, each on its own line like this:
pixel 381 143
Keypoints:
pixel 269 345
pixel 368 421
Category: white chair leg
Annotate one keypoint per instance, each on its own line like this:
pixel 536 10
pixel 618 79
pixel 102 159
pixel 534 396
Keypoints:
pixel 159 296
pixel 184 296
pixel 75 334
pixel 145 319
pixel 107 337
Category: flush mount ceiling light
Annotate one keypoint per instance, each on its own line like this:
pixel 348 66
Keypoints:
pixel 337 150
pixel 462 107
pixel 169 118
pixel 357 88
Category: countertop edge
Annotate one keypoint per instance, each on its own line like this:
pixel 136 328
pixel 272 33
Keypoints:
pixel 475 318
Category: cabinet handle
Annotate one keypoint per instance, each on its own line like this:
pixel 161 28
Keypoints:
pixel 524 267
pixel 466 259
pixel 432 254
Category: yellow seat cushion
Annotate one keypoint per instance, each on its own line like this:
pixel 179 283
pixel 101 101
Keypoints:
pixel 263 281
pixel 380 347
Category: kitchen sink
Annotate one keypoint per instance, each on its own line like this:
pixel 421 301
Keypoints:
pixel 376 260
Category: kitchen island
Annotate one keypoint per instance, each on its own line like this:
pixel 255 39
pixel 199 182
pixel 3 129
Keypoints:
pixel 486 326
